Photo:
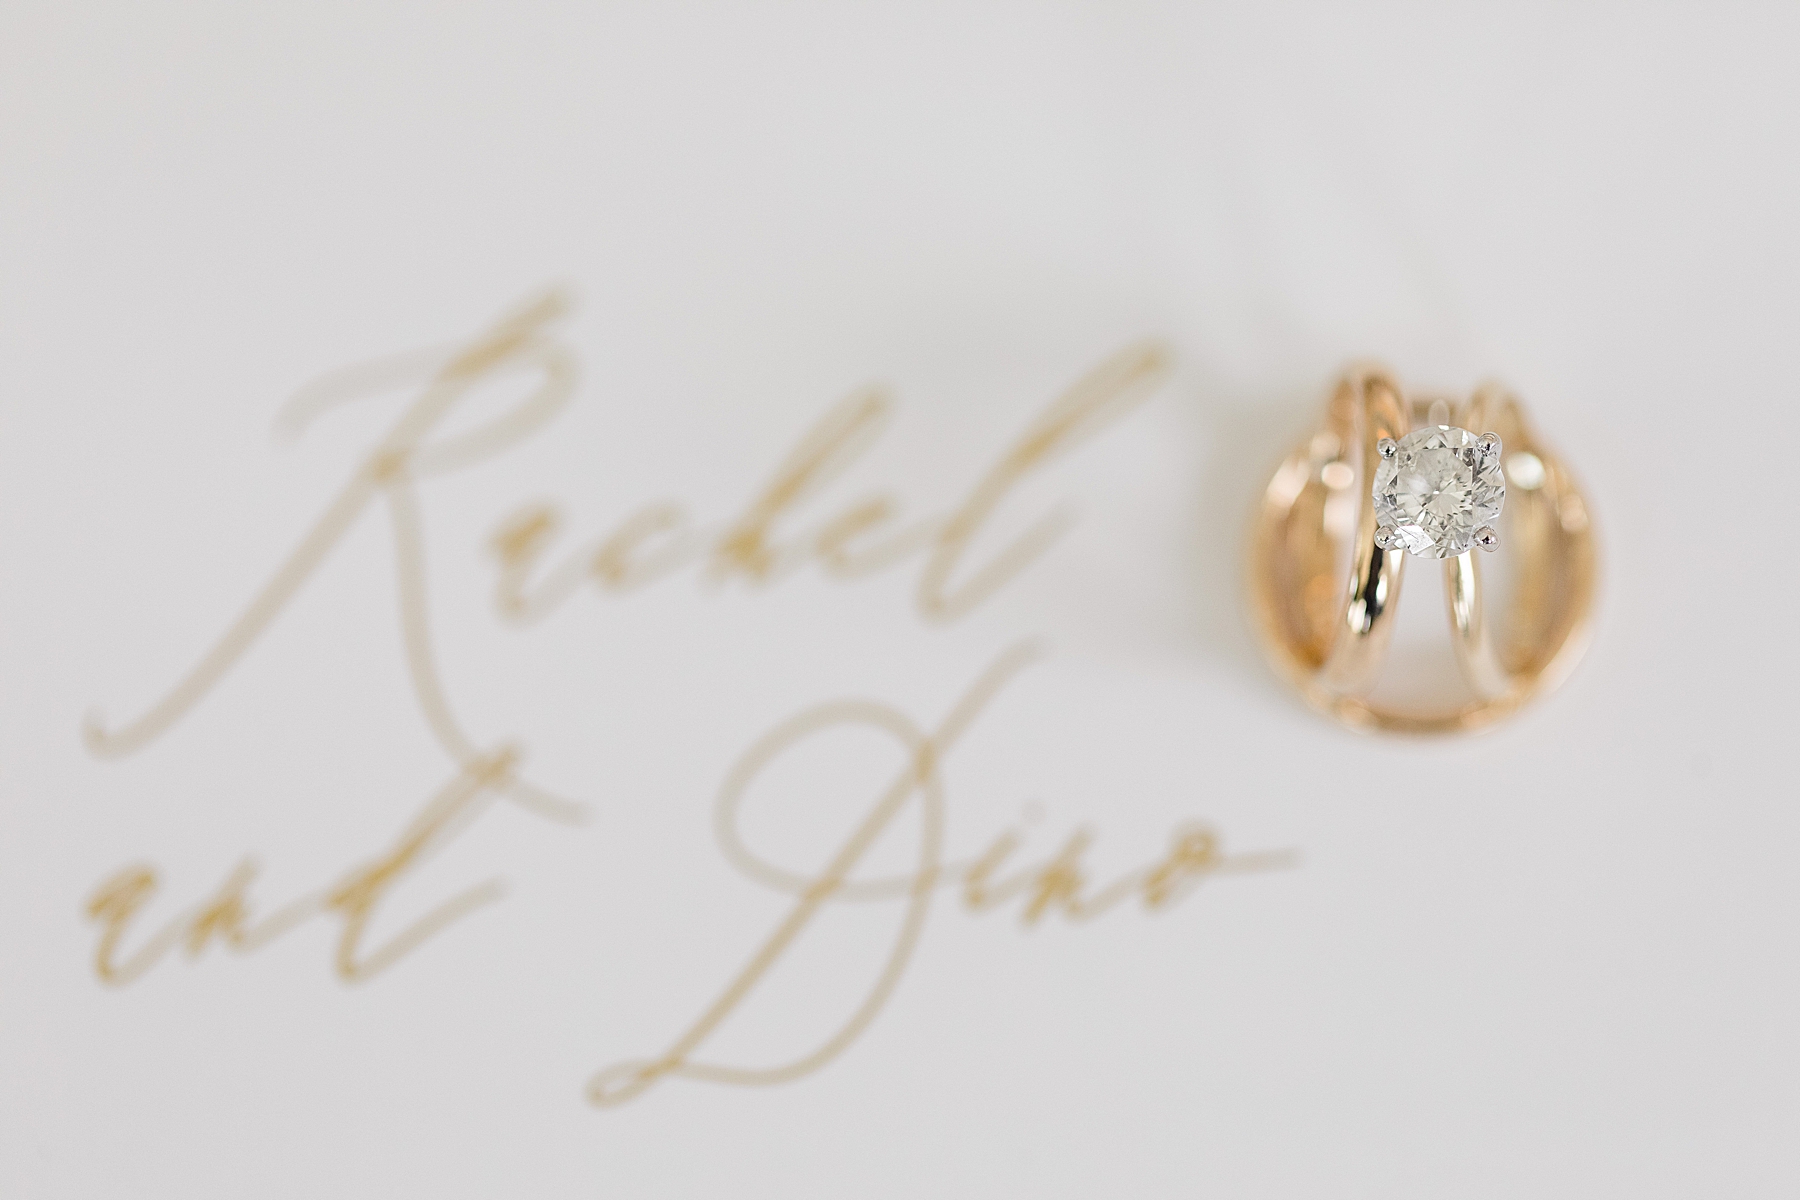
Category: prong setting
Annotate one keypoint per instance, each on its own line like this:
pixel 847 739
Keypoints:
pixel 1435 489
pixel 1487 538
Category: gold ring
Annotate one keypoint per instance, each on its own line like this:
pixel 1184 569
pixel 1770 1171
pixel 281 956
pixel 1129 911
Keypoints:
pixel 1385 479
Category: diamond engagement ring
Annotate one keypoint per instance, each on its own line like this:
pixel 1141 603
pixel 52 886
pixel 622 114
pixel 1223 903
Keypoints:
pixel 1385 479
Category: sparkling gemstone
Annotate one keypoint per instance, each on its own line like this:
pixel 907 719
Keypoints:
pixel 1441 485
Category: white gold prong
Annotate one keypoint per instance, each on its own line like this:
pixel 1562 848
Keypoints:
pixel 1387 447
pixel 1387 537
pixel 1487 539
pixel 1490 445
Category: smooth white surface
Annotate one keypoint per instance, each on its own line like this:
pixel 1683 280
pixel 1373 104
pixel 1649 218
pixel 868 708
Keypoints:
pixel 1573 975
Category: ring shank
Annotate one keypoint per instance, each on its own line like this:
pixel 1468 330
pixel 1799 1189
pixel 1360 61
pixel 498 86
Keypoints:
pixel 1366 407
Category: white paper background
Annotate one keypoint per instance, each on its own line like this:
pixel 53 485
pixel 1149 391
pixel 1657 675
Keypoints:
pixel 1555 961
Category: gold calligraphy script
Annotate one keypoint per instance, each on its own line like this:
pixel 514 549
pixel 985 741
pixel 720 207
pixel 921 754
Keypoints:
pixel 652 543
pixel 1058 884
